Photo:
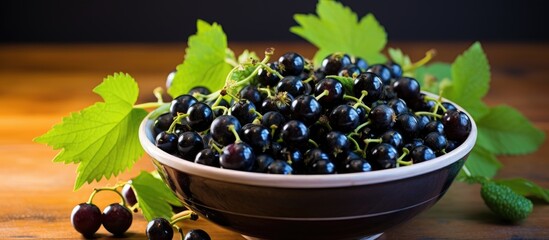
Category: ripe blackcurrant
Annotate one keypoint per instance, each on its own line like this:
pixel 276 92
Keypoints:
pixel 237 156
pixel 291 63
pixel 159 229
pixel 117 219
pixel 86 219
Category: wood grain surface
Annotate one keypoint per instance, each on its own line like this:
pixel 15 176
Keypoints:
pixel 42 83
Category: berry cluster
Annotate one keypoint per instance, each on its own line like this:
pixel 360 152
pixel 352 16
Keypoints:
pixel 117 218
pixel 289 117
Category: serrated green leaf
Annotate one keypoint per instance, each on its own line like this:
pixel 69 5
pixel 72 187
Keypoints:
pixel 154 197
pixel 525 188
pixel 470 81
pixel 504 130
pixel 247 56
pixel 204 63
pixel 430 76
pixel 399 57
pixel 93 137
pixel 336 28
pixel 480 163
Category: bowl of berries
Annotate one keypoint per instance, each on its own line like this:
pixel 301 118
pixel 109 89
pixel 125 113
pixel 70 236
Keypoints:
pixel 343 151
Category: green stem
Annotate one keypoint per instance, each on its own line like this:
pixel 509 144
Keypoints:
pixel 112 189
pixel 428 114
pixel 357 129
pixel 148 105
pixel 311 141
pixel 270 70
pixel 268 54
pixel 324 93
pixel 350 137
pixel 428 56
pixel 400 160
pixel 349 97
pixel 176 121
pixel 235 133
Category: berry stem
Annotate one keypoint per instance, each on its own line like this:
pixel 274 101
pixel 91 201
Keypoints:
pixel 148 105
pixel 268 53
pixel 400 160
pixel 362 126
pixel 266 90
pixel 112 189
pixel 324 93
pixel 270 70
pixel 181 216
pixel 311 141
pixel 428 114
pixel 176 121
pixel 350 137
pixel 428 56
pixel 215 147
pixel 236 136
pixel 349 97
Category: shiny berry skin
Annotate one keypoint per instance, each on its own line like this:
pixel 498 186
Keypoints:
pixel 200 116
pixel 162 123
pixel 436 141
pixel 129 195
pixel 182 104
pixel 207 157
pixel 407 88
pixel 189 144
pixel 292 85
pixel 251 93
pixel 368 82
pixel 306 109
pixel 396 69
pixel 257 136
pixel 295 134
pixel 457 125
pixel 197 234
pixel 335 92
pixel 220 129
pixel 416 142
pixel 382 71
pixel 344 118
pixel 86 219
pixel 394 138
pixel 336 143
pixel 273 120
pixel 361 64
pixel 350 71
pixel 159 229
pixel 318 162
pixel 433 126
pixel 280 167
pixel 167 142
pixel 422 153
pixel 199 90
pixel 408 125
pixel 237 156
pixel 355 163
pixel 291 63
pixel 294 157
pixel 382 117
pixel 333 63
pixel 244 111
pixel 266 79
pixel 398 105
pixel 116 218
pixel 383 156
pixel 280 103
pixel 263 161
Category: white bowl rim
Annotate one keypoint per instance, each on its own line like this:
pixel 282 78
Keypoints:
pixel 307 181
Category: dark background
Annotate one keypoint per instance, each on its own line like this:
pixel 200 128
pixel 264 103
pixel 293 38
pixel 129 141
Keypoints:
pixel 257 20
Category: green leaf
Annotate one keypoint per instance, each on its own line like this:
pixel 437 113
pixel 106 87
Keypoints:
pixel 399 57
pixel 525 188
pixel 480 163
pixel 204 63
pixel 154 196
pixel 470 81
pixel 247 56
pixel 504 130
pixel 431 76
pixel 93 137
pixel 336 28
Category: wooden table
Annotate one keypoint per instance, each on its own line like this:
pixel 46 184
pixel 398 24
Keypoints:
pixel 43 83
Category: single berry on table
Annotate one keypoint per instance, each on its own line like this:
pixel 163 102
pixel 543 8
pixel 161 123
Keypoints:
pixel 116 218
pixel 86 219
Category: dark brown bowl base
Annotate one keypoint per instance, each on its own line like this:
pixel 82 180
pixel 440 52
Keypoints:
pixel 330 213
